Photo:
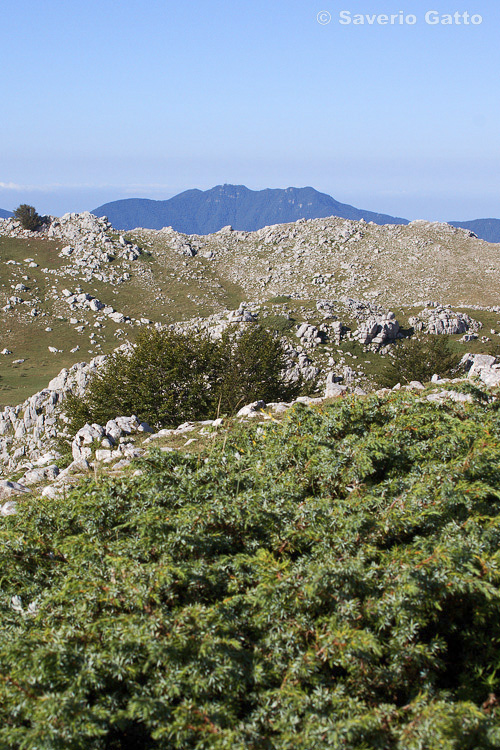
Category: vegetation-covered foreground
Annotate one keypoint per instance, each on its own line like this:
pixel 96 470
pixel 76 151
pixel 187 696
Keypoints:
pixel 330 581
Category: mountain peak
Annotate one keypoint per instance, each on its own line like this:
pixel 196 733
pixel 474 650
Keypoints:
pixel 208 211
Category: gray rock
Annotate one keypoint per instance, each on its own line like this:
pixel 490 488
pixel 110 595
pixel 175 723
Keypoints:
pixel 46 459
pixel 309 400
pixel 490 376
pixel 5 426
pixel 84 438
pixel 378 330
pixel 113 430
pixel 7 489
pixel 451 396
pixel 103 455
pixel 184 427
pixel 128 425
pixel 443 320
pixel 310 335
pixel 123 463
pixel 334 390
pixel 117 317
pixel 251 410
pixel 332 377
pixel 348 375
pixel 52 491
pixel 278 407
pixel 20 430
pixel 130 451
pixel 35 476
pixel 479 362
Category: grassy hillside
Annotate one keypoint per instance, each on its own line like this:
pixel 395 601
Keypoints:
pixel 330 581
pixel 160 288
pixel 396 267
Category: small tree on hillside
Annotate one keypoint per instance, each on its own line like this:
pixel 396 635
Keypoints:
pixel 253 370
pixel 28 217
pixel 172 377
pixel 168 378
pixel 419 358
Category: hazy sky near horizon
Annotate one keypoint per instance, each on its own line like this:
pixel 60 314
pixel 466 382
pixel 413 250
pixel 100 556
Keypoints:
pixel 146 98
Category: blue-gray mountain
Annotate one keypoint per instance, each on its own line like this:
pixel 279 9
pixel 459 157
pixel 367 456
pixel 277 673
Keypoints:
pixel 204 212
pixel 486 229
pixel 5 214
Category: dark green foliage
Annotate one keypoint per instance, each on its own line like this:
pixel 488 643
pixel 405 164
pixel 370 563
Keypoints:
pixel 168 379
pixel 28 217
pixel 252 370
pixel 171 378
pixel 329 582
pixel 419 358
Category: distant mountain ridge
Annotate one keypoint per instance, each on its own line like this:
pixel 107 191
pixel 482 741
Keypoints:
pixel 204 212
pixel 5 214
pixel 485 229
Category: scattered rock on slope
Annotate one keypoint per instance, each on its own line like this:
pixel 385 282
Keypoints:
pixel 443 320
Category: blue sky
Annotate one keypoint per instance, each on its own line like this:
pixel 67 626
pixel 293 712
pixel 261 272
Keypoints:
pixel 103 100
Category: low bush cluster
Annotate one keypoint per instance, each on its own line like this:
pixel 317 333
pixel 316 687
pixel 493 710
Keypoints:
pixel 331 581
pixel 28 217
pixel 419 358
pixel 173 377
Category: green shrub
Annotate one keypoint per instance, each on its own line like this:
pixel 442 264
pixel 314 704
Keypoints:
pixel 328 582
pixel 419 358
pixel 279 323
pixel 253 370
pixel 28 217
pixel 171 378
